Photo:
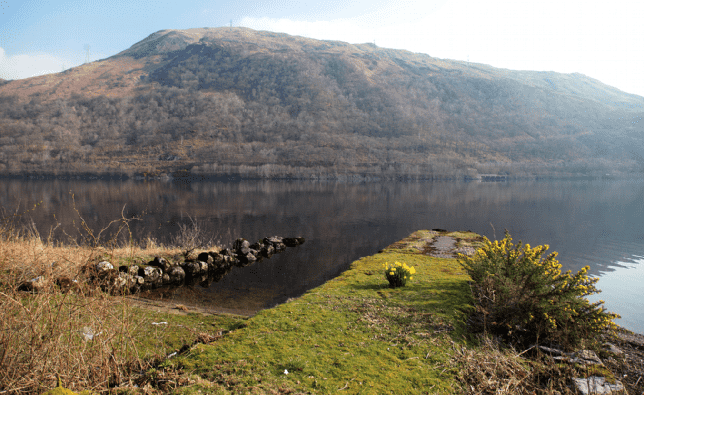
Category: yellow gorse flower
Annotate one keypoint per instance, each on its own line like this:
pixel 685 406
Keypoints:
pixel 561 310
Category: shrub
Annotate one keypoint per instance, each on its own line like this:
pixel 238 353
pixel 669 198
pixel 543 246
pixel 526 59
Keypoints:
pixel 398 273
pixel 525 297
pixel 191 237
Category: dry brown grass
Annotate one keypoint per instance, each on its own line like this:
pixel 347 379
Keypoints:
pixel 490 368
pixel 82 337
pixel 79 336
pixel 46 335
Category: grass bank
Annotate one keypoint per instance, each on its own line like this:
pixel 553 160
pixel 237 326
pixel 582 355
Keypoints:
pixel 352 335
pixel 355 335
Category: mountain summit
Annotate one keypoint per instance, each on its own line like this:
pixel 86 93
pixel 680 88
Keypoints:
pixel 258 104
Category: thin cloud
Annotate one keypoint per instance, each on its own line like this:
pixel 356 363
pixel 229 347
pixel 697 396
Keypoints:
pixel 534 39
pixel 21 66
pixel 341 29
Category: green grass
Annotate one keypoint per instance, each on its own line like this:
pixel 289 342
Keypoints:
pixel 352 335
pixel 161 333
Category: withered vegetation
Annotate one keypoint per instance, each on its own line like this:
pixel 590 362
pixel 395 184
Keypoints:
pixel 254 104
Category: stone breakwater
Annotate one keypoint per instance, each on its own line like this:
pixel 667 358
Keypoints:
pixel 160 272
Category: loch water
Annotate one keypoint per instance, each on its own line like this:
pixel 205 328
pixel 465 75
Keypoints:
pixel 599 223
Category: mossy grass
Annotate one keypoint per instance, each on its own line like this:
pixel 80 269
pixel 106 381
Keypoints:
pixel 356 335
pixel 352 335
pixel 161 333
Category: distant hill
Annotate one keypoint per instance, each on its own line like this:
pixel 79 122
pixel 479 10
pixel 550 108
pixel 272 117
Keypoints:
pixel 260 104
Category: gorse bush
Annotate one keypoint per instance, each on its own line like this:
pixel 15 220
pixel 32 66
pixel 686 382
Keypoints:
pixel 398 273
pixel 525 296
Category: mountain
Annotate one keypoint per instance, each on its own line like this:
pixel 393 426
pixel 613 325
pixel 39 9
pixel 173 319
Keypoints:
pixel 260 104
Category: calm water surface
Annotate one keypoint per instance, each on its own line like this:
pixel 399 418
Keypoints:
pixel 596 223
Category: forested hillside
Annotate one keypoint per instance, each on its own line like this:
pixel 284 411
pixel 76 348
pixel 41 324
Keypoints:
pixel 257 104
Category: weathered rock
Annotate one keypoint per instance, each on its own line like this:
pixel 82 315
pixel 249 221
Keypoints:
pixel 596 385
pixel 212 258
pixel 293 241
pixel 250 257
pixel 36 284
pixel 467 251
pixel 161 263
pixel 220 262
pixel 104 267
pixel 631 338
pixel 151 275
pixel 205 257
pixel 549 350
pixel 202 267
pixel 272 240
pixel 129 269
pixel 239 244
pixel 585 357
pixel 267 251
pixel 190 268
pixel 113 281
pixel 117 283
pixel 176 274
pixel 65 284
pixel 613 349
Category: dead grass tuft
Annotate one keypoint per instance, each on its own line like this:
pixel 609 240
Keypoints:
pixel 60 330
pixel 491 368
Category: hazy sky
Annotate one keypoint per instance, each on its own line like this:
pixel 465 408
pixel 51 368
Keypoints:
pixel 603 40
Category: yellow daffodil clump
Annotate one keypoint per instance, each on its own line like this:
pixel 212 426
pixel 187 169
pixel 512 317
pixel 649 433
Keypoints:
pixel 398 273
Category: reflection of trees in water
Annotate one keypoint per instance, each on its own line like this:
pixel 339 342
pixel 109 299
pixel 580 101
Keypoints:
pixel 595 222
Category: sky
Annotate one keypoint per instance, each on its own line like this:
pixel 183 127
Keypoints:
pixel 603 40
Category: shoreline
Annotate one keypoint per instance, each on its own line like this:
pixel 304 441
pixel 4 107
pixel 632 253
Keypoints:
pixel 353 335
pixel 626 367
pixel 184 176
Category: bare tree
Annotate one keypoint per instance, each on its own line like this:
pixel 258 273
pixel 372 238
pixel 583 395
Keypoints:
pixel 189 237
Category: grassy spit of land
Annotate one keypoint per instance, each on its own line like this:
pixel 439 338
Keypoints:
pixel 352 335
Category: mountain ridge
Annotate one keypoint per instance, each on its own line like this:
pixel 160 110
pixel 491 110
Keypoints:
pixel 273 105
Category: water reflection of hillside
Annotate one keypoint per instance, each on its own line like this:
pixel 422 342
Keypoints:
pixel 599 223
